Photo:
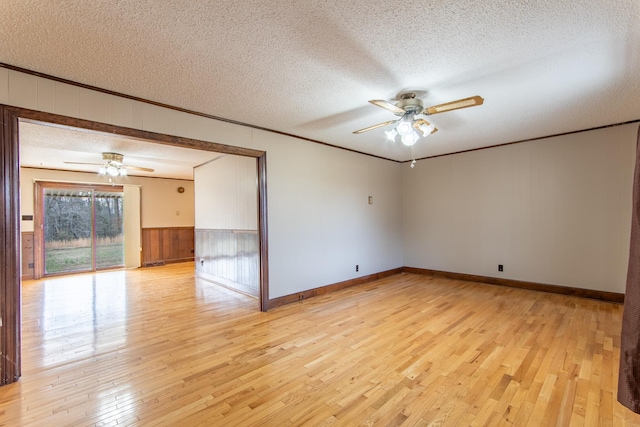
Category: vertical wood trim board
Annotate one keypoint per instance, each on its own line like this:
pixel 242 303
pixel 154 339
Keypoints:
pixel 10 255
pixel 263 237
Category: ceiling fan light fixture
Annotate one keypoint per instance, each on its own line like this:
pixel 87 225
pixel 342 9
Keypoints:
pixel 404 128
pixel 409 128
pixel 409 139
pixel 391 134
pixel 426 129
pixel 112 170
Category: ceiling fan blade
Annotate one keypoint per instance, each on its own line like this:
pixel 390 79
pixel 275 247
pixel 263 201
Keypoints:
pixel 102 164
pixel 138 168
pixel 379 125
pixel 84 163
pixel 387 105
pixel 454 105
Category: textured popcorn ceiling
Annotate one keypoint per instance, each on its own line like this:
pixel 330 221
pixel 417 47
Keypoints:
pixel 309 68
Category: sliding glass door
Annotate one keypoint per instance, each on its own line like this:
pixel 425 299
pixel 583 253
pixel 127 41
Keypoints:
pixel 68 228
pixel 82 227
pixel 109 229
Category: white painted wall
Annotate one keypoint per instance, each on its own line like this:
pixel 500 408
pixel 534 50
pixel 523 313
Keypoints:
pixel 132 226
pixel 318 204
pixel 226 194
pixel 320 225
pixel 162 205
pixel 555 211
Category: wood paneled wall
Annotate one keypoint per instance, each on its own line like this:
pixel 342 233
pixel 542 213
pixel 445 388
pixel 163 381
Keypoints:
pixel 167 244
pixel 229 257
pixel 27 255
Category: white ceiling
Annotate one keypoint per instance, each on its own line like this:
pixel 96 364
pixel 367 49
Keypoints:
pixel 51 147
pixel 308 68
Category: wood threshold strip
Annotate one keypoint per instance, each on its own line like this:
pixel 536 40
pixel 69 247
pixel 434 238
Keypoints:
pixel 531 286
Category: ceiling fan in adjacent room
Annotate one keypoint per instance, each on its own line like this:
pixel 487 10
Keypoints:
pixel 410 128
pixel 112 165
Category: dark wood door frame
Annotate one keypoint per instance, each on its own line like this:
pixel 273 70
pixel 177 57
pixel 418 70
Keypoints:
pixel 10 302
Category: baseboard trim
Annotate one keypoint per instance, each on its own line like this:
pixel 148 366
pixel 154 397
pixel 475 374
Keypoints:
pixel 309 293
pixel 533 286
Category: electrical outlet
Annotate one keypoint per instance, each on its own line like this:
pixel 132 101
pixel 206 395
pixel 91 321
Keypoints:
pixel 357 267
pixel 500 267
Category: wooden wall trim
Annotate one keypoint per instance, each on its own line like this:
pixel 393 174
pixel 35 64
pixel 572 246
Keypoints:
pixel 263 235
pixel 10 304
pixel 169 228
pixel 533 286
pixel 222 119
pixel 229 230
pixel 556 289
pixel 302 295
pixel 528 140
pixel 182 110
pixel 159 138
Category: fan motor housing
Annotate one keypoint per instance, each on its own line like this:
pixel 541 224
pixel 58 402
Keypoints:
pixel 410 104
pixel 112 157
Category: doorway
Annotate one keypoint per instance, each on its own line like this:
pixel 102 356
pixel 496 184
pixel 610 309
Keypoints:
pixel 79 228
pixel 10 226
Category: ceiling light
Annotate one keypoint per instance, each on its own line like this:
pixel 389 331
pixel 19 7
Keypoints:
pixel 426 129
pixel 112 170
pixel 409 139
pixel 404 128
pixel 406 125
pixel 391 134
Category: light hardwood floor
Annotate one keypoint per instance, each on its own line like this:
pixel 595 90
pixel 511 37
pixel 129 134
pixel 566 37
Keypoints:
pixel 158 347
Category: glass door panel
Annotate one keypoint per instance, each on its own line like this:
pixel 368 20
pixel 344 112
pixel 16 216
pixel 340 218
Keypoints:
pixel 109 230
pixel 68 230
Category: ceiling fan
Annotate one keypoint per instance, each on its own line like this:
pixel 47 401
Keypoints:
pixel 112 165
pixel 411 129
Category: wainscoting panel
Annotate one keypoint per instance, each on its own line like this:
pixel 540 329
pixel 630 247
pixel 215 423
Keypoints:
pixel 27 255
pixel 168 244
pixel 229 257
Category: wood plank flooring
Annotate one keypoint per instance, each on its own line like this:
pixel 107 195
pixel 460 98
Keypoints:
pixel 158 347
